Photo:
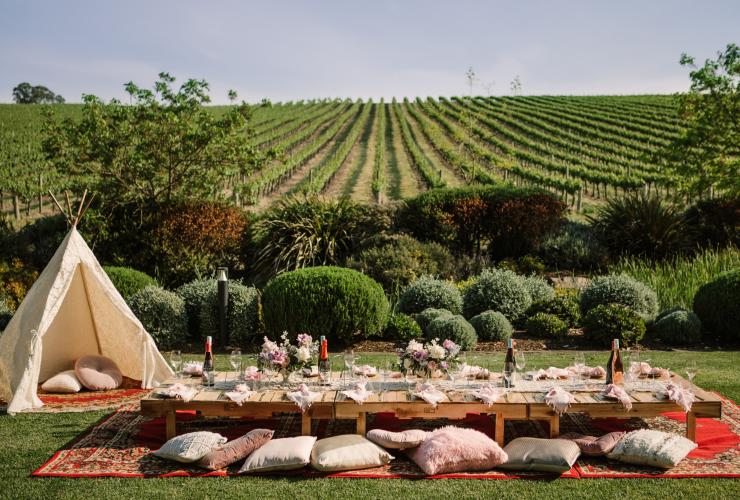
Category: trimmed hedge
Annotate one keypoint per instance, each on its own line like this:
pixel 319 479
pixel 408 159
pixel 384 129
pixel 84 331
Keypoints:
pixel 564 307
pixel 333 301
pixel 717 304
pixel 244 316
pixel 492 325
pixel 402 327
pixel 620 289
pixel 546 325
pixel 455 328
pixel 424 318
pixel 429 292
pixel 606 322
pixel 539 289
pixel 195 294
pixel 497 290
pixel 163 315
pixel 128 281
pixel 677 327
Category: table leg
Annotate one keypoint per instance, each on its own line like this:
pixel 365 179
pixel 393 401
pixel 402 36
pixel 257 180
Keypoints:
pixel 554 426
pixel 305 424
pixel 691 426
pixel 361 423
pixel 170 420
pixel 498 432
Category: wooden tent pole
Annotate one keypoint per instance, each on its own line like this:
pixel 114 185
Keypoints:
pixel 56 202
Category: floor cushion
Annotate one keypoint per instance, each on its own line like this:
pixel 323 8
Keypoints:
pixel 235 450
pixel 454 449
pixel 65 382
pixel 98 373
pixel 280 454
pixel 654 448
pixel 190 447
pixel 592 445
pixel 543 455
pixel 397 440
pixel 347 452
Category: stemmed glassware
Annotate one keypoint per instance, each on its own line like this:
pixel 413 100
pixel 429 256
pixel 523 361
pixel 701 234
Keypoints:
pixel 691 370
pixel 579 362
pixel 349 364
pixel 235 360
pixel 521 364
pixel 176 361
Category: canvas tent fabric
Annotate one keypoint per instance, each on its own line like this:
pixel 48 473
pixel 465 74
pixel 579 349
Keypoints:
pixel 72 309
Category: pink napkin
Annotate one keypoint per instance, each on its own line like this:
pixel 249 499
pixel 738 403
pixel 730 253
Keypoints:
pixel 550 373
pixel 488 394
pixel 681 395
pixel 194 368
pixel 559 399
pixel 429 393
pixel 251 373
pixel 240 394
pixel 614 391
pixel 179 391
pixel 303 397
pixel 645 370
pixel 587 371
pixel 359 394
pixel 475 371
pixel 365 370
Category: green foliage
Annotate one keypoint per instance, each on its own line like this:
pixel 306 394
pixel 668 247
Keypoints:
pixel 424 318
pixel 244 318
pixel 498 290
pixel 402 327
pixel 36 243
pixel 333 301
pixel 677 327
pixel 492 325
pixel 15 281
pixel 715 222
pixel 428 292
pixel 6 313
pixel 163 315
pixel 128 281
pixel 539 289
pixel 455 328
pixel 196 294
pixel 717 303
pixel 620 289
pixel 546 325
pixel 575 246
pixel 564 307
pixel 606 322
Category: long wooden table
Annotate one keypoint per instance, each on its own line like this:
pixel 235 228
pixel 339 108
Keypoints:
pixel 332 404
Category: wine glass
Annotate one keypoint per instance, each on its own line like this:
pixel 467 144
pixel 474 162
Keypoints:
pixel 579 362
pixel 176 361
pixel 521 364
pixel 235 360
pixel 349 363
pixel 691 370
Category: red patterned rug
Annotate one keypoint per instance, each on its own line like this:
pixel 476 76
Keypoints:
pixel 120 446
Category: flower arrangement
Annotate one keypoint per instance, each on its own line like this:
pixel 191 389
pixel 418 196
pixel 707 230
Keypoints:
pixel 286 357
pixel 427 359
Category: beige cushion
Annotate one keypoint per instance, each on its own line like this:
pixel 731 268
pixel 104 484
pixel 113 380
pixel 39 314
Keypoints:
pixel 397 440
pixel 65 383
pixel 233 451
pixel 544 455
pixel 98 373
pixel 654 448
pixel 347 452
pixel 280 454
pixel 592 445
pixel 190 447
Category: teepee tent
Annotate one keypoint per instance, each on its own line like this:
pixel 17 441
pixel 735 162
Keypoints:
pixel 73 309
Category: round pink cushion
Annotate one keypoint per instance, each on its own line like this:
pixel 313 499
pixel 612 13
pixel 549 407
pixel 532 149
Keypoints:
pixel 98 373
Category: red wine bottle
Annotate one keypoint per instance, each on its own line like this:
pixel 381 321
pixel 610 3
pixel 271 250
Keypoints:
pixel 208 376
pixel 614 367
pixel 509 364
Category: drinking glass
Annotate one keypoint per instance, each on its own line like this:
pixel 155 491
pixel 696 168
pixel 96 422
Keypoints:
pixel 235 360
pixel 521 364
pixel 176 361
pixel 410 379
pixel 691 370
pixel 349 363
pixel 579 362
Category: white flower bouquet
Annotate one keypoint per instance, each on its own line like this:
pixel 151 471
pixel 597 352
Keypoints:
pixel 426 360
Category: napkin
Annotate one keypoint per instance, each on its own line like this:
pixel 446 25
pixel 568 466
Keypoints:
pixel 303 397
pixel 645 370
pixel 251 373
pixel 365 370
pixel 488 394
pixel 614 391
pixel 559 399
pixel 312 371
pixel 475 371
pixel 240 394
pixel 359 394
pixel 681 395
pixel 587 371
pixel 429 393
pixel 179 391
pixel 550 373
pixel 194 368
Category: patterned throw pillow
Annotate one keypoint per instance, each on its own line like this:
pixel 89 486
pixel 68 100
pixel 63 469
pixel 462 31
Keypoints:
pixel 592 445
pixel 454 449
pixel 190 447
pixel 280 454
pixel 347 452
pixel 654 448
pixel 233 451
pixel 397 440
pixel 544 455
pixel 63 383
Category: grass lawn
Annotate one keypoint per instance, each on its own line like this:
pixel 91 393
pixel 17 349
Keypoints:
pixel 30 439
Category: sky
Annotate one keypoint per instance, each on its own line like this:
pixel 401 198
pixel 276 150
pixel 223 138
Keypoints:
pixel 289 50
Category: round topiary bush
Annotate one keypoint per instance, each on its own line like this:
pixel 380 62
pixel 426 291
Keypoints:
pixel 613 321
pixel 163 315
pixel 428 315
pixel 620 289
pixel 429 292
pixel 717 304
pixel 402 327
pixel 128 281
pixel 455 328
pixel 539 289
pixel 497 290
pixel 333 301
pixel 195 294
pixel 492 325
pixel 546 325
pixel 677 327
pixel 564 307
pixel 244 317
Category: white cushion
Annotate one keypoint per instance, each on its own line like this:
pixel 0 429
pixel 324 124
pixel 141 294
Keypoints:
pixel 403 440
pixel 65 382
pixel 190 447
pixel 543 455
pixel 280 454
pixel 654 448
pixel 347 452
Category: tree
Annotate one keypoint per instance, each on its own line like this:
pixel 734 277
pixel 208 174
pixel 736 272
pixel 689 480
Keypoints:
pixel 706 156
pixel 516 85
pixel 25 93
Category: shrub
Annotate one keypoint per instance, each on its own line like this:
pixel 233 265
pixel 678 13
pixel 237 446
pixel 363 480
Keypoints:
pixel 429 292
pixel 564 307
pixel 613 321
pixel 402 327
pixel 428 315
pixel 128 281
pixel 715 222
pixel 397 260
pixel 677 327
pixel 620 289
pixel 6 313
pixel 35 244
pixel 497 290
pixel 195 294
pixel 244 318
pixel 332 301
pixel 163 315
pixel 15 281
pixel 546 325
pixel 539 289
pixel 717 304
pixel 492 325
pixel 575 247
pixel 455 328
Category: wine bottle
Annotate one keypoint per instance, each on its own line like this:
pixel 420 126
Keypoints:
pixel 208 376
pixel 324 365
pixel 614 367
pixel 509 364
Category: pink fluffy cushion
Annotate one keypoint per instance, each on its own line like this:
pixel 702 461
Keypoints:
pixel 235 450
pixel 98 373
pixel 454 449
pixel 592 445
